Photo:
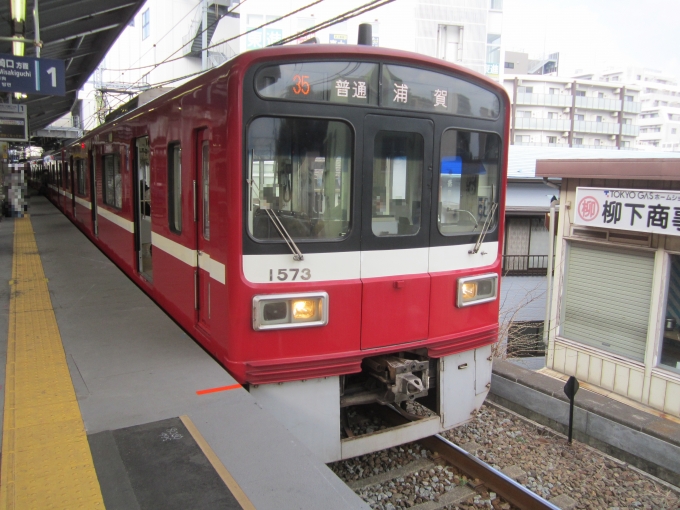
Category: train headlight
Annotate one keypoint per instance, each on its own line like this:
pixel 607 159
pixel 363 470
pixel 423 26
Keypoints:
pixel 281 311
pixel 474 290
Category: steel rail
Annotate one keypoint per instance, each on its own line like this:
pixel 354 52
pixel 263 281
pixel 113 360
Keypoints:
pixel 504 486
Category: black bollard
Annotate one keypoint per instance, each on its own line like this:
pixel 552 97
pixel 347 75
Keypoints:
pixel 570 390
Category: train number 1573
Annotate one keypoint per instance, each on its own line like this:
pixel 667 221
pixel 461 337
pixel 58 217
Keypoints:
pixel 289 274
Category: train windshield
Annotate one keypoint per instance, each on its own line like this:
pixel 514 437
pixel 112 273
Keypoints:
pixel 468 188
pixel 300 169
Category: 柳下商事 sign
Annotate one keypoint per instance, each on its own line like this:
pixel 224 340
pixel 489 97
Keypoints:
pixel 639 210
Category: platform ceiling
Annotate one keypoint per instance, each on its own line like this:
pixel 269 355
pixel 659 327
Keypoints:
pixel 79 32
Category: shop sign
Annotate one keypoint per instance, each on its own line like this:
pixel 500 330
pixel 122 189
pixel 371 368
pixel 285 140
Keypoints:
pixel 637 210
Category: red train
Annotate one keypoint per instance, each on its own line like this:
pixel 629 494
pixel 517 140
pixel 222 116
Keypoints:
pixel 325 220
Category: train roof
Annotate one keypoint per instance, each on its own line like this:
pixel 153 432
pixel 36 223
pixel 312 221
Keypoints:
pixel 307 52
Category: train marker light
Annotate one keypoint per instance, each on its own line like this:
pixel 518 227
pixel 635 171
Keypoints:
pixel 282 311
pixel 474 290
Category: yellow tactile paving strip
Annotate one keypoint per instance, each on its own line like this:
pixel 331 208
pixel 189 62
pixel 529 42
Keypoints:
pixel 46 459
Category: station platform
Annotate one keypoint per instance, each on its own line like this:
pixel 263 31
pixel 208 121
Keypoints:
pixel 109 404
pixel 634 433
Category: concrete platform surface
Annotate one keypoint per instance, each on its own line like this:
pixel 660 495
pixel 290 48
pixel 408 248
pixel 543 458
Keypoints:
pixel 135 372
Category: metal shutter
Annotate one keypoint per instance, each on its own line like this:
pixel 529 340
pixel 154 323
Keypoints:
pixel 607 299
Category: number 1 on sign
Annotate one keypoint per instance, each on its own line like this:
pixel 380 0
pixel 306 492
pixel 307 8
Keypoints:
pixel 52 71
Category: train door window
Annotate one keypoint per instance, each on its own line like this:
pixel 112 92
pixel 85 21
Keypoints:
pixel 175 187
pixel 397 183
pixel 300 170
pixel 205 187
pixel 469 181
pixel 80 173
pixel 113 187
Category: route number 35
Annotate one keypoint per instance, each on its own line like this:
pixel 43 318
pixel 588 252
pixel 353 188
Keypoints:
pixel 290 274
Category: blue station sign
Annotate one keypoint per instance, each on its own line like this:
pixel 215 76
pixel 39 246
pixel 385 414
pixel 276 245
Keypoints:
pixel 32 75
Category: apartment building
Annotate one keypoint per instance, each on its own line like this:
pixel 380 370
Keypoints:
pixel 568 112
pixel 659 119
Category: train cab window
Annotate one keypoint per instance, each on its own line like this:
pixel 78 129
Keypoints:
pixel 175 187
pixel 299 169
pixel 80 175
pixel 397 183
pixel 469 181
pixel 113 186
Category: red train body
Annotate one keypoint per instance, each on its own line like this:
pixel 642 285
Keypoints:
pixel 392 202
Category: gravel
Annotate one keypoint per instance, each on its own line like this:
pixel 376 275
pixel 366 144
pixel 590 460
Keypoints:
pixel 537 457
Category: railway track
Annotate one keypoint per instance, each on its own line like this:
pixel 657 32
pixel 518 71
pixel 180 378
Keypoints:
pixel 504 486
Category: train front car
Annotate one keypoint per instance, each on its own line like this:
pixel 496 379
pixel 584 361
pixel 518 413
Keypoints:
pixel 372 216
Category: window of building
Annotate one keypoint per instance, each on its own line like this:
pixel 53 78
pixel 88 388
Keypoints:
pixel 581 93
pixel 628 98
pixel 525 90
pixel 598 118
pixel 579 116
pixel 522 138
pixel 615 78
pixel 145 24
pixel 596 142
pixel 670 347
pixel 552 139
pixel 509 65
pixel 600 95
pixel 552 115
pixel 554 91
pixel 113 186
pixel 625 144
pixel 526 246
pixel 578 141
pixel 175 187
pixel 493 52
pixel 674 131
pixel 523 115
pixel 496 5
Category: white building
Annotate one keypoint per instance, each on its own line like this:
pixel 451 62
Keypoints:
pixel 659 120
pixel 567 112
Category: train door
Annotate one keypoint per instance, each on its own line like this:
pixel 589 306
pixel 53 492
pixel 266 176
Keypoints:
pixel 395 230
pixel 202 216
pixel 60 185
pixel 93 192
pixel 142 212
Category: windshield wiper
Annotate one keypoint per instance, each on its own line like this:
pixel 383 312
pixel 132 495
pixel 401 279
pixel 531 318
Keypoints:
pixel 297 254
pixel 485 229
pixel 273 217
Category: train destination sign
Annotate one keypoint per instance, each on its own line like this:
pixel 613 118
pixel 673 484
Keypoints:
pixel 335 82
pixel 638 210
pixel 32 75
pixel 356 83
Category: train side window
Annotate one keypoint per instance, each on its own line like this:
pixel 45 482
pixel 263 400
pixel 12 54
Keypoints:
pixel 397 183
pixel 80 171
pixel 469 181
pixel 175 187
pixel 113 187
pixel 205 179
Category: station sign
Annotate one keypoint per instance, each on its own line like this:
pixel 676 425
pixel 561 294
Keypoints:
pixel 13 123
pixel 337 38
pixel 637 210
pixel 32 75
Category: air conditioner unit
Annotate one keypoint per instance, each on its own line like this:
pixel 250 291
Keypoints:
pixel 617 91
pixel 566 110
pixel 613 137
pixel 565 134
pixel 567 86
pixel 615 114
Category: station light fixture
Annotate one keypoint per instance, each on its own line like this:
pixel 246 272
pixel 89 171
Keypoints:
pixel 474 290
pixel 18 26
pixel 283 311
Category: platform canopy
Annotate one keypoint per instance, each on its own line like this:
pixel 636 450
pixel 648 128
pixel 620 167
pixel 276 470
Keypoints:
pixel 79 32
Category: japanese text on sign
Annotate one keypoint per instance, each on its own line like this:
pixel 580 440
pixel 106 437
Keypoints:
pixel 639 210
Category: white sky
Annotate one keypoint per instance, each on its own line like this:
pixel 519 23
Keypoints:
pixel 594 34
